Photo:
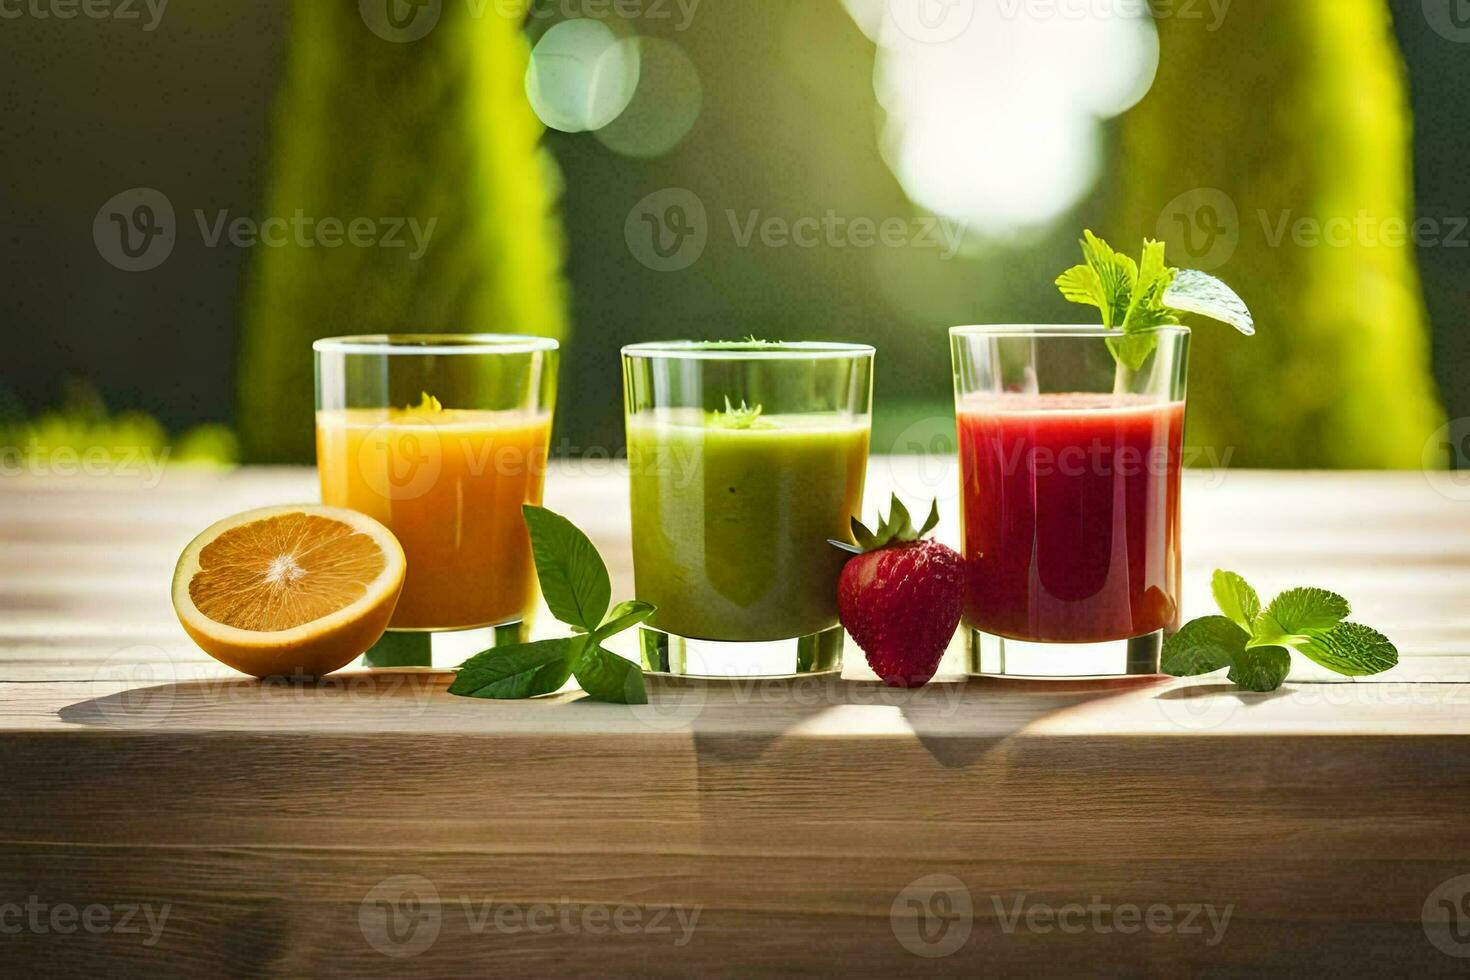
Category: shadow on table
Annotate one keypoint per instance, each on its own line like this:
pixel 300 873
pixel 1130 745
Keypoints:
pixel 236 701
pixel 727 721
pixel 738 720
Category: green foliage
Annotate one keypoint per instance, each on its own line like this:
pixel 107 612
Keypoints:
pixel 1293 109
pixel 1130 294
pixel 575 583
pixel 82 436
pixel 436 128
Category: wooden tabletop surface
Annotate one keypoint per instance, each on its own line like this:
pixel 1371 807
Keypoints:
pixel 372 823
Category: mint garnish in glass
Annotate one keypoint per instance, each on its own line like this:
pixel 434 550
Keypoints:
pixel 1138 297
pixel 1255 643
pixel 578 590
pixel 742 416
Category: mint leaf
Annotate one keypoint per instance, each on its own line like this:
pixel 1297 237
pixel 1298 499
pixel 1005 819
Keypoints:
pixel 1350 649
pixel 1199 292
pixel 1203 646
pixel 1116 273
pixel 574 579
pixel 1146 306
pixel 1082 285
pixel 520 671
pixel 577 588
pixel 1132 350
pixel 1261 668
pixel 744 417
pixel 1257 645
pixel 623 615
pixel 1129 294
pixel 1298 611
pixel 400 648
pixel 608 677
pixel 1139 297
pixel 1236 598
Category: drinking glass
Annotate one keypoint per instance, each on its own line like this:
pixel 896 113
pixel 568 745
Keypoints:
pixel 744 460
pixel 441 438
pixel 1070 485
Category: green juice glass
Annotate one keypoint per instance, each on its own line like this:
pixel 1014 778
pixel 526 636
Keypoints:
pixel 744 459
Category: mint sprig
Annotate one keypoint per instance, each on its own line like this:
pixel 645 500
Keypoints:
pixel 1139 297
pixel 742 416
pixel 1255 644
pixel 577 588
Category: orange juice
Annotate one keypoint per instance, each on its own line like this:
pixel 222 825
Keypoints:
pixel 449 484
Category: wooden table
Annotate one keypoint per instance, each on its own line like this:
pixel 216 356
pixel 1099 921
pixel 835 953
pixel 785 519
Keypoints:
pixel 373 824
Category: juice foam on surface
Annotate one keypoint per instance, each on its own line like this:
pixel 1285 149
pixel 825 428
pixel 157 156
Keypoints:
pixel 448 418
pixel 1073 403
pixel 696 419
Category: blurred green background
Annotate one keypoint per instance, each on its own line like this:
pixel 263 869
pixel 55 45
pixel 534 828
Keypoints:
pixel 610 171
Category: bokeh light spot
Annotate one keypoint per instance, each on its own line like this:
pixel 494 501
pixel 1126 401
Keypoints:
pixel 995 121
pixel 581 75
pixel 664 107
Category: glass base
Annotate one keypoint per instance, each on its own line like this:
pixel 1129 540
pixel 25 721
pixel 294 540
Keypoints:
pixel 669 653
pixel 996 656
pixel 440 649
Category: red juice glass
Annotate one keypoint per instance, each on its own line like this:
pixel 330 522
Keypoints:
pixel 1070 483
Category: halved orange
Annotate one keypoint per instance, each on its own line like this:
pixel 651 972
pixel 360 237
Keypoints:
pixel 295 591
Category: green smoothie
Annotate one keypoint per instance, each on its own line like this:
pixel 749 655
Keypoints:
pixel 731 516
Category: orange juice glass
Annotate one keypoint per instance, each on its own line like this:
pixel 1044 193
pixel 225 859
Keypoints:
pixel 442 438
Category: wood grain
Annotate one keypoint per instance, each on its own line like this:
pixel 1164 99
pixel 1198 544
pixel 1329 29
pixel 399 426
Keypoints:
pixel 801 821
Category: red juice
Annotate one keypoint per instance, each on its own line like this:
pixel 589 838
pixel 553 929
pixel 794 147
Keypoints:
pixel 1071 515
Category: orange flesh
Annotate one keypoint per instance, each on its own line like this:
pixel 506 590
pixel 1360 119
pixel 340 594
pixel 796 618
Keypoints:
pixel 283 571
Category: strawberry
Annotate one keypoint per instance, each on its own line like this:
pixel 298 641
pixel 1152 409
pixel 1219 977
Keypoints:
pixel 900 597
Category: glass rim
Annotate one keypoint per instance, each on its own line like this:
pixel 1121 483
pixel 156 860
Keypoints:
pixel 436 343
pixel 747 350
pixel 1080 330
